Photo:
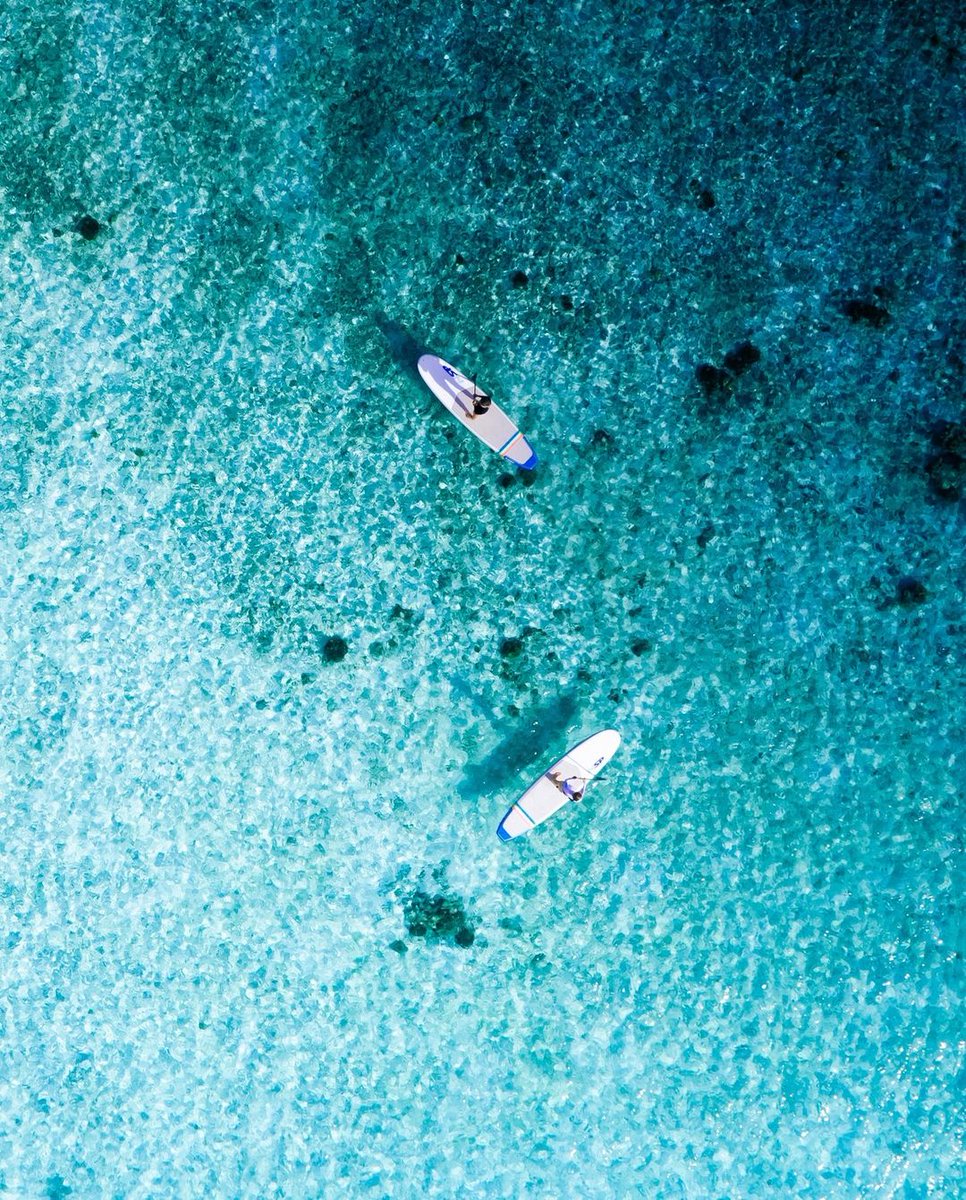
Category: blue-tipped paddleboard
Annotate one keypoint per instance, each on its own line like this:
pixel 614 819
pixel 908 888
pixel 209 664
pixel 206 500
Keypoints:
pixel 556 786
pixel 465 400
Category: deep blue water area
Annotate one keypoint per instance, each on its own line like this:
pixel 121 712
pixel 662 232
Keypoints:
pixel 281 641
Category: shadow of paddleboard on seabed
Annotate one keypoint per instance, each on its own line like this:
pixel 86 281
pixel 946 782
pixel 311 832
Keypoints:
pixel 404 349
pixel 533 736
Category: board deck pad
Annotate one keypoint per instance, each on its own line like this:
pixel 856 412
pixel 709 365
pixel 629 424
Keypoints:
pixel 543 798
pixel 494 428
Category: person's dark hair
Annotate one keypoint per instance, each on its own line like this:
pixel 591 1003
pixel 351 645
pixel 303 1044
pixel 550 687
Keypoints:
pixel 481 404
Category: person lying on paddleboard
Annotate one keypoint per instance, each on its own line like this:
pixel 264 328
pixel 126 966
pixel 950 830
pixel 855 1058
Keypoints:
pixel 567 786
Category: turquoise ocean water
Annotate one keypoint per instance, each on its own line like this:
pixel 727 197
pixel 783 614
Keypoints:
pixel 280 642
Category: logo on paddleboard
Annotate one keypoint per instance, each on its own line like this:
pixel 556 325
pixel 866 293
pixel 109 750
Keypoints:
pixel 449 371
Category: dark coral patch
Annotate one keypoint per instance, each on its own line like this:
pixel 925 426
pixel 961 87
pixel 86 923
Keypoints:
pixel 519 279
pixel 703 196
pixel 948 435
pixel 335 648
pixel 88 227
pixel 864 312
pixel 946 467
pixel 910 591
pixel 743 356
pixel 511 647
pixel 713 381
pixel 438 918
pixel 945 472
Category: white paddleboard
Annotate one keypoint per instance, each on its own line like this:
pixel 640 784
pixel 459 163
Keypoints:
pixel 556 786
pixel 492 427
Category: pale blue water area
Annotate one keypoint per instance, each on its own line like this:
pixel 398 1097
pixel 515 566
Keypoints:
pixel 259 938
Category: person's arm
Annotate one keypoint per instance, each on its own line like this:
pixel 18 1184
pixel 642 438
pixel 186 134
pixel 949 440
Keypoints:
pixel 471 414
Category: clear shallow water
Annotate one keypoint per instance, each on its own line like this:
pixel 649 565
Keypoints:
pixel 736 970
